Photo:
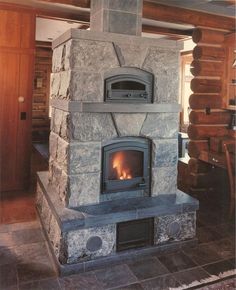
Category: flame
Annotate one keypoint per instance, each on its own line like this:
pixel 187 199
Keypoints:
pixel 119 165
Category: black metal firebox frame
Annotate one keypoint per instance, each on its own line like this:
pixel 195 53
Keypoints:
pixel 138 183
pixel 129 85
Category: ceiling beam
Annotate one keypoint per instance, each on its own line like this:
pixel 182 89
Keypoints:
pixel 76 3
pixel 166 31
pixel 172 14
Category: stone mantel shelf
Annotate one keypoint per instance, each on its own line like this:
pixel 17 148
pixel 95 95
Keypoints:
pixel 117 210
pixel 75 33
pixel 96 107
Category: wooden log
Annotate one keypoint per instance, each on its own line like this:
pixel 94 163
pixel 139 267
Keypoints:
pixel 208 53
pixel 199 132
pixel 207 36
pixel 196 146
pixel 199 102
pixel 197 166
pixel 206 86
pixel 206 68
pixel 223 117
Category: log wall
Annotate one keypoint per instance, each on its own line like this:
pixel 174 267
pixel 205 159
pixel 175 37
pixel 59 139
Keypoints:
pixel 207 119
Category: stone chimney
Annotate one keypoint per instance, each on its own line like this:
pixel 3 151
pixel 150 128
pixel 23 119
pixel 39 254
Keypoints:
pixel 117 16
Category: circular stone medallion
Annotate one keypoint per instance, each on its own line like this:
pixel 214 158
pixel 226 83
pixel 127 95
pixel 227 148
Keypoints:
pixel 173 229
pixel 94 244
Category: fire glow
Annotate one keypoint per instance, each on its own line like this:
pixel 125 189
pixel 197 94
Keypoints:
pixel 119 164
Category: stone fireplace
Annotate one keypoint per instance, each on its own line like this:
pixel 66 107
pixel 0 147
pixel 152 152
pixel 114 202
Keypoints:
pixel 111 187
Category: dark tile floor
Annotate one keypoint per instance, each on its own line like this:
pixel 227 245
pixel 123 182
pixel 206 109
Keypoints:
pixel 25 262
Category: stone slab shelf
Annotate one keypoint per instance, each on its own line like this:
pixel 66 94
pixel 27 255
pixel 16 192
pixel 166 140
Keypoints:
pixel 115 211
pixel 96 107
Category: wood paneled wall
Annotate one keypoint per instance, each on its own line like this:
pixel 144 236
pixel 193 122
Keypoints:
pixel 17 41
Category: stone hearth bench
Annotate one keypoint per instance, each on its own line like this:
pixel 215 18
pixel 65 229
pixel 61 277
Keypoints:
pixel 115 211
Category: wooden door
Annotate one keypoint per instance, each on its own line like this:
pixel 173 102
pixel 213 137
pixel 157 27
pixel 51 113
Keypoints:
pixel 16 82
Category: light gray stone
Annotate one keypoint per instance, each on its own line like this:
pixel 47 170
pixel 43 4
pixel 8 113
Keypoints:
pixel 164 152
pixel 86 86
pixel 129 124
pixel 64 88
pixel 164 180
pixel 121 22
pixel 131 55
pixel 132 6
pixel 59 179
pixel 164 64
pixel 85 157
pixel 84 189
pixel 62 156
pixel 60 123
pixel 92 56
pixel 55 79
pixel 57 58
pixel 55 235
pixel 53 140
pixel 174 228
pixel 77 240
pixel 92 127
pixel 161 125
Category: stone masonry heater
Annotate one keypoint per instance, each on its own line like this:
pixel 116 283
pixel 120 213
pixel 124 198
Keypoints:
pixel 111 187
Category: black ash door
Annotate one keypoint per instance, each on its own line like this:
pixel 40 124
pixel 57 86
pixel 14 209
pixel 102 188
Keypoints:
pixel 126 166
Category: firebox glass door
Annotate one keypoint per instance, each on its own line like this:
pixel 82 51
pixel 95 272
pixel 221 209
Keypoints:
pixel 126 164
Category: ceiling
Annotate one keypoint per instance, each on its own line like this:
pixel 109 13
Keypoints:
pixel 217 7
pixel 49 29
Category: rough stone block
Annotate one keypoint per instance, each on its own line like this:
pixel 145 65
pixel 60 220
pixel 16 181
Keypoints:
pixel 60 123
pixel 55 79
pixel 164 152
pixel 86 86
pixel 164 64
pixel 84 189
pixel 92 56
pixel 91 243
pixel 164 180
pixel 129 124
pixel 57 59
pixel 85 157
pixel 62 156
pixel 92 127
pixel 130 55
pixel 174 228
pixel 53 140
pixel 161 125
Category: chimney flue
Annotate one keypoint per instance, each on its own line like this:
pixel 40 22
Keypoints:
pixel 117 16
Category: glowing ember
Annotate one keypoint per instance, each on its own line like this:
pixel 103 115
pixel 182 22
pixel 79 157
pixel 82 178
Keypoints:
pixel 119 164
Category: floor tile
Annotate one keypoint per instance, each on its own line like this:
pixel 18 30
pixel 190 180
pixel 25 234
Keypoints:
pixel 27 236
pixel 116 276
pixel 225 248
pixel 193 276
pixel 32 252
pixel 7 256
pixel 135 286
pixel 48 284
pixel 34 271
pixel 202 254
pixel 6 240
pixel 8 276
pixel 87 281
pixel 219 268
pixel 177 261
pixel 146 268
pixel 165 282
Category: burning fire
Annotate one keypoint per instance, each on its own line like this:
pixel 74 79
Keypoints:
pixel 119 165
